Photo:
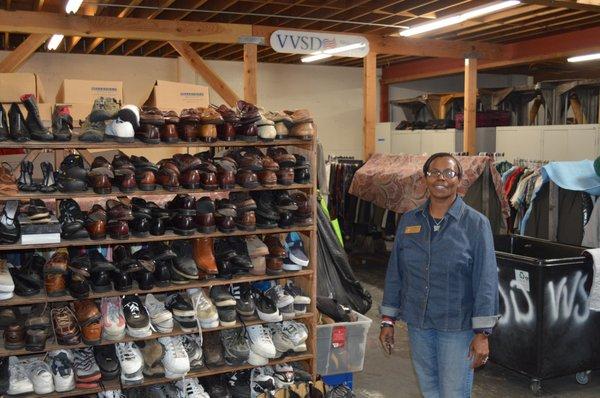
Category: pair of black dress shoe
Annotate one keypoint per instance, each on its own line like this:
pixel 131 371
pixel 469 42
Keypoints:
pixel 232 257
pixel 28 279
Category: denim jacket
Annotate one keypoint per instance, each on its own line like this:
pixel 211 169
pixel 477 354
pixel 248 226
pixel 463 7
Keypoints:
pixel 450 281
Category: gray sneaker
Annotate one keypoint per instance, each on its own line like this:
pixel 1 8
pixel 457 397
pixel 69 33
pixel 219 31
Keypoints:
pixel 221 297
pixel 227 315
pixel 235 346
pixel 194 351
pixel 244 300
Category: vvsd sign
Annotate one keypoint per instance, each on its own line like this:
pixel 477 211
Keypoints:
pixel 298 42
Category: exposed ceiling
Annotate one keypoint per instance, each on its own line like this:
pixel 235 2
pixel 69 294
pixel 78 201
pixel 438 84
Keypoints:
pixel 531 19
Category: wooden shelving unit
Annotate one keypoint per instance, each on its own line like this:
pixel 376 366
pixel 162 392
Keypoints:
pixel 305 278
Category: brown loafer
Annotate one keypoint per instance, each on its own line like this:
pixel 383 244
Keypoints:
pixel 276 249
pixel 285 176
pixel 246 221
pixel 190 179
pixel 303 131
pixel 208 181
pixel 268 178
pixel 247 179
pixel 95 222
pixel 117 210
pixel 185 162
pixel 203 254
pixel 168 178
pixel 100 180
pixel 101 162
pixel 269 164
pixel 14 336
pixel 146 180
pixel 118 229
pixel 148 133
pixel 58 263
pixel 151 115
pixel 226 131
pixel 55 285
pixel 225 177
pixel 168 133
pixel 188 131
pixel 125 180
pixel 208 132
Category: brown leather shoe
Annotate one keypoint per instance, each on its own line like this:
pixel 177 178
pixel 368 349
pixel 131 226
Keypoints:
pixel 168 178
pixel 185 162
pixel 246 221
pixel 168 133
pixel 276 249
pixel 117 210
pixel 246 132
pixel 38 317
pixel 303 202
pixel 146 180
pixel 58 263
pixel 226 131
pixel 225 224
pixel 151 115
pixel 100 182
pixel 204 256
pixel 101 162
pixel 88 315
pixel 191 179
pixel 205 215
pixel 149 134
pixel 268 178
pixel 14 336
pixel 55 285
pixel 247 179
pixel 274 265
pixel 269 164
pixel 171 117
pixel 226 178
pixel 125 180
pixel 118 229
pixel 303 131
pixel 65 326
pixel 188 131
pixel 95 222
pixel 208 132
pixel 208 181
pixel 122 161
pixel 285 176
pixel 282 157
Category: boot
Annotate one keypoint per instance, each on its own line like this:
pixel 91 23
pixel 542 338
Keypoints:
pixel 17 128
pixel 3 125
pixel 62 123
pixel 33 120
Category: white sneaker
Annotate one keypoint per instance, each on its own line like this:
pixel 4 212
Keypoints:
pixel 61 365
pixel 284 375
pixel 175 359
pixel 206 312
pixel 113 319
pixel 257 360
pixel 111 394
pixel 6 296
pixel 279 296
pixel 157 311
pixel 262 381
pixel 120 130
pixel 85 365
pixel 7 285
pixel 193 348
pixel 130 358
pixel 19 382
pixel 40 375
pixel 295 332
pixel 191 388
pixel 260 341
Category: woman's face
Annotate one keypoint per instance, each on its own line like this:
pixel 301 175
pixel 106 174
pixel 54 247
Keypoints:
pixel 440 182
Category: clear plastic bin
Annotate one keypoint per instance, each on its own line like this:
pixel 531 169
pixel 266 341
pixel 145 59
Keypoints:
pixel 341 346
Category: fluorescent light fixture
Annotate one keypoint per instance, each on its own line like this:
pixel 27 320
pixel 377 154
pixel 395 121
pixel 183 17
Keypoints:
pixel 54 41
pixel 582 58
pixel 459 18
pixel 73 6
pixel 315 57
pixel 342 49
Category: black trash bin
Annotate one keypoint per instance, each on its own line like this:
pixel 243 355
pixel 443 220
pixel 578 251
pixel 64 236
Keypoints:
pixel 546 329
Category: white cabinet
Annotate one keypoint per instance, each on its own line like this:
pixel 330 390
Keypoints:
pixel 433 141
pixel 519 142
pixel 583 142
pixel 406 141
pixel 383 138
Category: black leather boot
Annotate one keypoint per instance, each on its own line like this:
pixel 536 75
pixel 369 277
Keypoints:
pixel 4 135
pixel 17 127
pixel 62 123
pixel 33 120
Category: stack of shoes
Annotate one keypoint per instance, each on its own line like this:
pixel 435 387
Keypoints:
pixel 189 125
pixel 7 285
pixel 235 346
pixel 261 345
pixel 245 208
pixel 266 129
pixel 226 305
pixel 289 336
pixel 209 120
pixel 282 300
pixel 113 319
pixel 61 366
pixel 283 122
pixel 277 254
pixel 103 110
pixel 101 176
pixel 184 265
pixel 267 215
pixel 72 175
pixel 14 336
pixel 151 119
pixel 160 318
pixel 87 372
pixel 124 171
pixel 296 258
pixel 89 316
pixel 131 362
pixel 145 173
pixel 205 311
pixel 266 308
pixel 262 381
pixel 136 317
pixel 183 312
pixel 239 384
pixel 244 301
pixel 286 207
pixel 72 220
pixel 301 300
pixel 122 128
pixel 118 216
pixel 168 131
pixel 213 350
pixel 37 327
pixel 226 130
pixel 65 324
pixel 258 252
pixel 286 163
pixel 284 375
pixel 175 360
pixel 302 216
pixel 152 353
pixel 246 129
pixel 192 343
pixel 55 271
pixel 301 170
pixel 106 358
pixel 217 386
pixel 303 126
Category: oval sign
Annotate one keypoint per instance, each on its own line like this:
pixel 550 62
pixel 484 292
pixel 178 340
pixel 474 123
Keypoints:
pixel 299 42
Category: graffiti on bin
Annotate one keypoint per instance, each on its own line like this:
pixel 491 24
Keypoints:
pixel 565 300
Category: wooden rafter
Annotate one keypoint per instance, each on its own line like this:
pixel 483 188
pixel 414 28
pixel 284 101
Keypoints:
pixel 22 53
pixel 120 14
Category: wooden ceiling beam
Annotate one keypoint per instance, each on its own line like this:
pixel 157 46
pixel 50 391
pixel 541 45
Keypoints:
pixel 121 14
pixel 571 5
pixel 19 55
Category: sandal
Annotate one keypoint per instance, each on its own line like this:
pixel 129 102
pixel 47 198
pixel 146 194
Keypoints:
pixel 25 181
pixel 48 183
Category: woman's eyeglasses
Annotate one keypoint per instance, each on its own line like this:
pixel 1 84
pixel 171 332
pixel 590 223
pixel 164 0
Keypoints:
pixel 448 174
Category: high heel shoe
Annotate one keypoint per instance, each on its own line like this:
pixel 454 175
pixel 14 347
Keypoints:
pixel 48 184
pixel 25 181
pixel 10 230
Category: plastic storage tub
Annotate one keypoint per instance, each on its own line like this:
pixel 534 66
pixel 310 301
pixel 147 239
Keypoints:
pixel 546 329
pixel 341 346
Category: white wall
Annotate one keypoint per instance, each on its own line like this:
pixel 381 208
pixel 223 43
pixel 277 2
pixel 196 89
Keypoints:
pixel 332 94
pixel 447 84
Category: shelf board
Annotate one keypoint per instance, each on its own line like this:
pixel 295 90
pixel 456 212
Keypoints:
pixel 109 144
pixel 51 346
pixel 169 236
pixel 76 392
pixel 43 298
pixel 148 381
pixel 160 191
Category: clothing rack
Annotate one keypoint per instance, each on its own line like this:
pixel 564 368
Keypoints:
pixel 530 163
pixel 492 155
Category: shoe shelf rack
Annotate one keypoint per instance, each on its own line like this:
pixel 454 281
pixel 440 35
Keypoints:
pixel 305 279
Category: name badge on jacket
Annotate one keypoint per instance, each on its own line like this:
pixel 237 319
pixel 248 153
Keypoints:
pixel 413 229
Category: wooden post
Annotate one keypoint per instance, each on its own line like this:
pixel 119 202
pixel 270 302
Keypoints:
pixel 369 106
pixel 250 65
pixel 384 102
pixel 470 133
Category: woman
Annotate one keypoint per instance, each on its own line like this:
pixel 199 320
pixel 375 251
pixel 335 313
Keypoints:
pixel 442 280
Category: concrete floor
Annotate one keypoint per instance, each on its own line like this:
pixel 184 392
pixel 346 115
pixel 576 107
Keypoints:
pixel 393 376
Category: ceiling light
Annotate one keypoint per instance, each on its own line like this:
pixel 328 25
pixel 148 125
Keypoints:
pixel 54 42
pixel 582 58
pixel 315 57
pixel 342 49
pixel 73 6
pixel 459 18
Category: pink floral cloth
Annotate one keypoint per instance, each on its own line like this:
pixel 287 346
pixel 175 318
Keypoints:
pixel 396 182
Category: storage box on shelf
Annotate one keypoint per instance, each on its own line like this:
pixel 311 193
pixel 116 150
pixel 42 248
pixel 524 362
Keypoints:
pixel 306 279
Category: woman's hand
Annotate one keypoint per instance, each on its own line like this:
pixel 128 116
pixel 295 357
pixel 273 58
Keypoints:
pixel 386 338
pixel 479 350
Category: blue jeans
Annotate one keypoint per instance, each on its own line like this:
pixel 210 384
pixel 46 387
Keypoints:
pixel 441 362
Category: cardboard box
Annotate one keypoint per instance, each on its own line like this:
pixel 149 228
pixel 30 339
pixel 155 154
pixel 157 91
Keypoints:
pixel 168 96
pixel 14 85
pixel 86 91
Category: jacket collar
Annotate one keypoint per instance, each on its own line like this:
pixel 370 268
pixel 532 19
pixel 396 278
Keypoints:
pixel 455 210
